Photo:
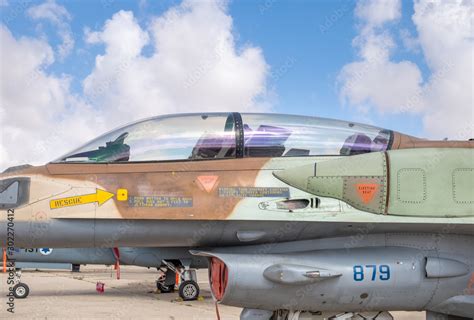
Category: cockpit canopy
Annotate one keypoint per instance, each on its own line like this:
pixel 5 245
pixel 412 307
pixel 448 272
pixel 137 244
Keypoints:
pixel 230 135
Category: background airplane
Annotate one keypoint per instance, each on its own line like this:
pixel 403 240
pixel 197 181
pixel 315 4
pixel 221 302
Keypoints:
pixel 168 261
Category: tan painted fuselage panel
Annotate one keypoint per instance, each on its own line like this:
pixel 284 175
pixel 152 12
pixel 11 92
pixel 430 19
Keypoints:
pixel 237 189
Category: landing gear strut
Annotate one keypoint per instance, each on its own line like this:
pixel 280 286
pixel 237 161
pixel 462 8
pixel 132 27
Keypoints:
pixel 20 290
pixel 188 288
pixel 166 281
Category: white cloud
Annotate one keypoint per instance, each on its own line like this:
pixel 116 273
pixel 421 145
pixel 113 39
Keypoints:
pixel 376 80
pixel 445 99
pixel 193 65
pixel 39 118
pixel 122 35
pixel 59 17
pixel 377 12
pixel 446 38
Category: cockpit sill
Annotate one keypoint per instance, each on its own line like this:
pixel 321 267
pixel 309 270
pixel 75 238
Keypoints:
pixel 172 166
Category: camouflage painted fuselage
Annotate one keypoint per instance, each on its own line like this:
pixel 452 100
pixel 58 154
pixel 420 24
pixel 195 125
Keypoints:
pixel 195 203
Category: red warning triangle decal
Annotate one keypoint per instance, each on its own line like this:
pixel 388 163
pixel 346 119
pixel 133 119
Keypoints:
pixel 367 191
pixel 207 182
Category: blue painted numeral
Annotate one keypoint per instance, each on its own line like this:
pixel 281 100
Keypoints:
pixel 358 273
pixel 374 270
pixel 383 269
pixel 384 272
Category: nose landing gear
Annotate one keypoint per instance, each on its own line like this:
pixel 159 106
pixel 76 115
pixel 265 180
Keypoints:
pixel 188 287
pixel 20 289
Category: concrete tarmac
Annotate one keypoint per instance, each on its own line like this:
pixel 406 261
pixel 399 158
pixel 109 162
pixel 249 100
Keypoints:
pixel 56 294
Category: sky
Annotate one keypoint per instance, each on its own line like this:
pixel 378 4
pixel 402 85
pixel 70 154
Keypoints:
pixel 71 70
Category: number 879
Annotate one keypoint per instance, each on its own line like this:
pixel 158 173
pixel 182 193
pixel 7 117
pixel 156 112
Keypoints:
pixel 384 272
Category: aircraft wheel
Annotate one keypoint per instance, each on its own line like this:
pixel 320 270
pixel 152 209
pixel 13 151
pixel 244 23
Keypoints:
pixel 164 288
pixel 21 291
pixel 189 290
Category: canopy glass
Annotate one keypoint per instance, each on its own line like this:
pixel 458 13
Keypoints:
pixel 230 135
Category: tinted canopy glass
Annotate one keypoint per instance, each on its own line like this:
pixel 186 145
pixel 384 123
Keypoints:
pixel 177 137
pixel 278 135
pixel 230 135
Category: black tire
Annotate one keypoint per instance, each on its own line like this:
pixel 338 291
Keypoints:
pixel 21 291
pixel 164 288
pixel 189 290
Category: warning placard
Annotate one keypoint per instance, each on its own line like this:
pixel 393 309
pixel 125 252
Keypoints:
pixel 366 191
pixel 254 192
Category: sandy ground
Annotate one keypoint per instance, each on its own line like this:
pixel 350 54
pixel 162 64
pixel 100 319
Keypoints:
pixel 66 295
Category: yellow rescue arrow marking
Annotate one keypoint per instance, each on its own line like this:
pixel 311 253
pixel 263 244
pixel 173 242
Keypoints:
pixel 100 196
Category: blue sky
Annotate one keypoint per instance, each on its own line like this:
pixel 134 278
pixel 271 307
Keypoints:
pixel 310 50
pixel 299 39
pixel 317 37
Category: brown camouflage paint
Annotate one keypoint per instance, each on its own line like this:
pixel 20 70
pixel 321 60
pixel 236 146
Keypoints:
pixel 173 178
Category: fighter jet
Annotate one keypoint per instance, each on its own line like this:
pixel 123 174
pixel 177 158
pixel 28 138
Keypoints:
pixel 169 261
pixel 306 218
